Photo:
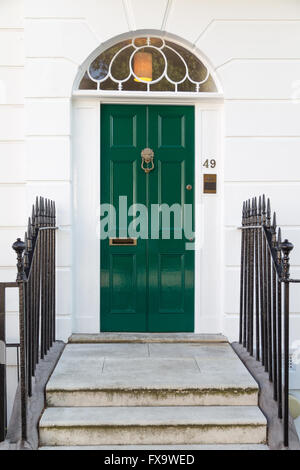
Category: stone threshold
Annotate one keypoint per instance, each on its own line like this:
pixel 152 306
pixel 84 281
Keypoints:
pixel 147 338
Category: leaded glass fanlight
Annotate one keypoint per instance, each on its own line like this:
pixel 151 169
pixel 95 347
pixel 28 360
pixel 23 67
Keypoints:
pixel 147 64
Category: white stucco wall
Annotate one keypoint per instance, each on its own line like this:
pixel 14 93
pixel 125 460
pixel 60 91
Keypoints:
pixel 12 147
pixel 253 46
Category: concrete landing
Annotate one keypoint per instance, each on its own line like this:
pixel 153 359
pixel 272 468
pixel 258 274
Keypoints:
pixel 153 374
pixel 147 338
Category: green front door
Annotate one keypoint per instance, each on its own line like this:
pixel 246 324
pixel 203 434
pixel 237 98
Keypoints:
pixel 147 282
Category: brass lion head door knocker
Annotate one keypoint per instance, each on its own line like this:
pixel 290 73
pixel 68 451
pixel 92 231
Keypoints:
pixel 147 160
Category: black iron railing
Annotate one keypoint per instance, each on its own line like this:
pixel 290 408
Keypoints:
pixel 264 298
pixel 36 284
pixel 3 347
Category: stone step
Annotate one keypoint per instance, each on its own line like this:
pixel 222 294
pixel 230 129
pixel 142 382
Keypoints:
pixel 142 396
pixel 152 425
pixel 150 375
pixel 147 338
pixel 155 448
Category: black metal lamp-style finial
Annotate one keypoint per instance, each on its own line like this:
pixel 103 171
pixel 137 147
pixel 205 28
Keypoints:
pixel 19 247
pixel 286 248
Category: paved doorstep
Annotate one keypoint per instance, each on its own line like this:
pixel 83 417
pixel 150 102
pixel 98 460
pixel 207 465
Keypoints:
pixel 160 366
pixel 146 393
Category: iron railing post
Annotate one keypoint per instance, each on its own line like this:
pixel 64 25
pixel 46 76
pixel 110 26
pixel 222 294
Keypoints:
pixel 48 283
pixel 279 328
pixel 286 248
pixel 43 279
pixel 257 292
pixel 251 280
pixel 265 286
pixel 52 251
pixel 246 260
pixel 3 346
pixel 269 297
pixel 261 280
pixel 242 288
pixel 274 311
pixel 3 397
pixel 19 248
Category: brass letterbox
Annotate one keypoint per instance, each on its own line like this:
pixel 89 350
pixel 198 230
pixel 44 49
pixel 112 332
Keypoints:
pixel 210 184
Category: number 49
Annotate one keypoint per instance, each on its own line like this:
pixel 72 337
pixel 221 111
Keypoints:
pixel 210 163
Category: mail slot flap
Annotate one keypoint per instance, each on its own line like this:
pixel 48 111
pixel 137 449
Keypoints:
pixel 122 241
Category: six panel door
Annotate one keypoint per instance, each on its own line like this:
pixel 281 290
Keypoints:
pixel 148 285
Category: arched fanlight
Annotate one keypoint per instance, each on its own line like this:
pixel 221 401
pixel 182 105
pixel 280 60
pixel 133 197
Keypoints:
pixel 148 64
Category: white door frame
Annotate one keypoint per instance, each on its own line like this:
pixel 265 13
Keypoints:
pixel 86 156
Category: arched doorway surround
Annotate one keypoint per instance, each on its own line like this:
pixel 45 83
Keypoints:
pixel 88 96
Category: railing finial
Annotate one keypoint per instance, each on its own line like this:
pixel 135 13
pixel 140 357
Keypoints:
pixel 29 236
pixel 263 204
pixel 37 213
pixel 26 257
pixel 278 246
pixel 255 213
pixel 263 211
pixel 249 210
pixel 286 248
pixel 274 223
pixel 273 230
pixel 52 214
pixel 279 237
pixel 259 218
pixel 268 213
pixel 19 248
pixel 42 211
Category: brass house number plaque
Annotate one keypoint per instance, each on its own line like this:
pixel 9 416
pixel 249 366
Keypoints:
pixel 210 184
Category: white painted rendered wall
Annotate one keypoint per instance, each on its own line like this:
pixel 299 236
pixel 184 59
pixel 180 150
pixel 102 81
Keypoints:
pixel 12 148
pixel 12 163
pixel 253 46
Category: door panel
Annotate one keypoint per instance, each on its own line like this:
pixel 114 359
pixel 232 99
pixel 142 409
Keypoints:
pixel 123 282
pixel 171 283
pixel 123 268
pixel 150 286
pixel 171 266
